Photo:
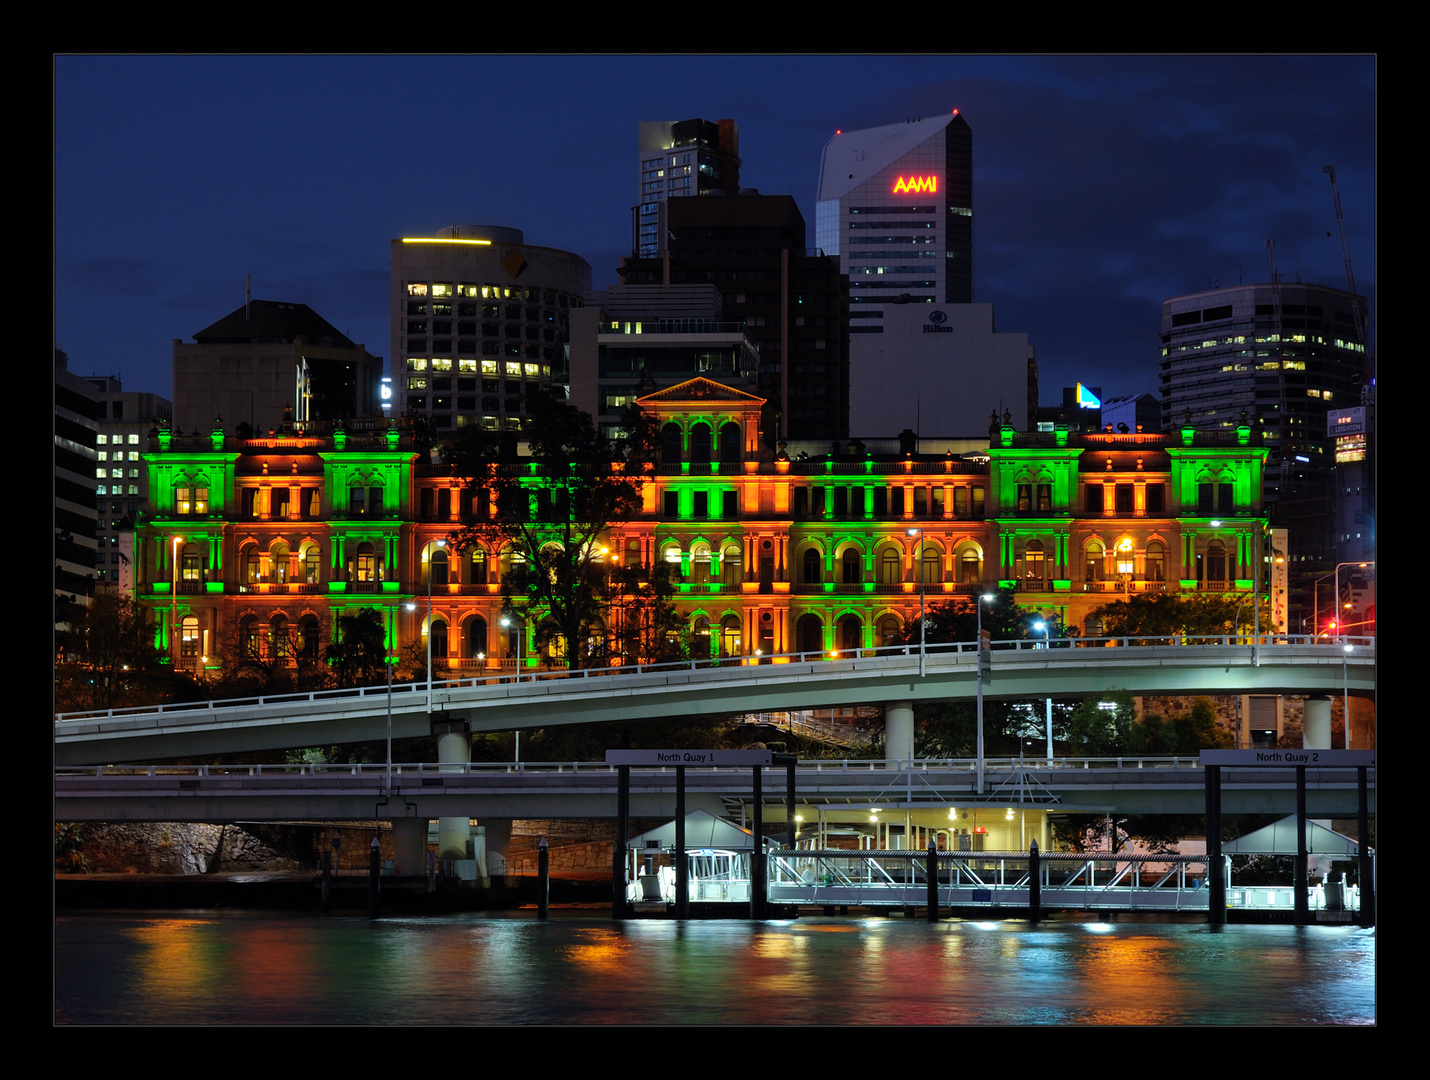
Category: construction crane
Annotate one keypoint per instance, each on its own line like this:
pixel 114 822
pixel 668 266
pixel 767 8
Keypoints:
pixel 1330 170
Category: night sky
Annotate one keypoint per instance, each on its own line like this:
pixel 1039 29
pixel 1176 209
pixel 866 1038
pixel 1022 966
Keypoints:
pixel 1102 185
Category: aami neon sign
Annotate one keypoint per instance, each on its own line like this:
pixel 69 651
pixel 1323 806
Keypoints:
pixel 916 183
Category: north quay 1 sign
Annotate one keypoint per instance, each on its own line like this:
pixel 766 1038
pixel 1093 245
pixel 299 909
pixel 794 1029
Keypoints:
pixel 688 757
pixel 1323 759
pixel 907 184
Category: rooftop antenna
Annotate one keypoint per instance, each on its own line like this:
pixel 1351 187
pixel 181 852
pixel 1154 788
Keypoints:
pixel 247 294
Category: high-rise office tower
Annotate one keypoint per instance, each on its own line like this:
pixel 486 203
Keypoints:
pixel 896 205
pixel 479 319
pixel 679 158
pixel 1282 356
pixel 793 304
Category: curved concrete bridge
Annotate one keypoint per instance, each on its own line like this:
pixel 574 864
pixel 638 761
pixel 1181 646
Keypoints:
pixel 890 677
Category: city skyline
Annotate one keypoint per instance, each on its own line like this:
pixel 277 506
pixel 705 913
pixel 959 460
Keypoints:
pixel 1104 185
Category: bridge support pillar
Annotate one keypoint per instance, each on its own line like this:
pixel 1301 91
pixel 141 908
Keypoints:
pixel 1316 724
pixel 409 844
pixel 898 731
pixel 454 747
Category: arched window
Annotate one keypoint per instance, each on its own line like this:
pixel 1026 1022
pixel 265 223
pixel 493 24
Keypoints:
pixel 730 564
pixel 310 567
pixel 700 444
pixel 730 635
pixel 970 567
pixel 476 637
pixel 700 562
pixel 252 564
pixel 279 554
pixel 731 443
pixel 891 566
pixel 1216 561
pixel 439 642
pixel 851 633
pixel 250 635
pixel 279 647
pixel 670 443
pixel 478 563
pixel 853 566
pixel 1094 558
pixel 888 630
pixel 366 562
pixel 812 571
pixel 1033 564
pixel 932 563
pixel 809 635
pixel 1156 561
pixel 700 637
pixel 437 566
pixel 189 636
pixel 309 637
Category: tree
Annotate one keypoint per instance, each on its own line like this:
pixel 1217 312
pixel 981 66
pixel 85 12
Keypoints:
pixel 110 655
pixel 1164 615
pixel 957 620
pixel 553 512
pixel 359 655
pixel 1104 726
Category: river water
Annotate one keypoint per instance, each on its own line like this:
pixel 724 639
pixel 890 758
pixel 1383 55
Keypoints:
pixel 583 968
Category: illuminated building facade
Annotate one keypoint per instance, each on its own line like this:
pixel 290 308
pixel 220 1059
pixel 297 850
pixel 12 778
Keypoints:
pixel 479 318
pixel 1279 357
pixel 265 543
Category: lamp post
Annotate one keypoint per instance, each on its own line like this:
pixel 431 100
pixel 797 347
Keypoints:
pixel 508 622
pixel 174 599
pixel 979 608
pixel 1346 690
pixel 923 628
pixel 427 557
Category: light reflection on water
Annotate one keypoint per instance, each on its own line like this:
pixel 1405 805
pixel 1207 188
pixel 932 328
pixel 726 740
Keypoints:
pixel 584 969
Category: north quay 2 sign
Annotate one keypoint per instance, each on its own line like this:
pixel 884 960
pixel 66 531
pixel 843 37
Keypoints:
pixel 1324 759
pixel 906 184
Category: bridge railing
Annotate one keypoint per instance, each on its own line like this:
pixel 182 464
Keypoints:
pixel 419 770
pixel 960 650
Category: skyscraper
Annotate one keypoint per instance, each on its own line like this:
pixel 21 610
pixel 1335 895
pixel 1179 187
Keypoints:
pixel 479 319
pixel 679 158
pixel 896 205
pixel 1283 355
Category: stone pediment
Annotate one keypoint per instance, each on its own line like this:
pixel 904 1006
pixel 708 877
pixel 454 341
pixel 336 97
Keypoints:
pixel 700 391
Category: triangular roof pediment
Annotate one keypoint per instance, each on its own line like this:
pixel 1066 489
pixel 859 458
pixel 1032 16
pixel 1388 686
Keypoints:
pixel 701 391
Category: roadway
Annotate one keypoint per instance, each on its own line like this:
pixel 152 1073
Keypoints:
pixel 1026 670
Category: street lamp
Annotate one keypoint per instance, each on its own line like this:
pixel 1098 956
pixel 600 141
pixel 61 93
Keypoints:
pixel 508 622
pixel 174 599
pixel 923 629
pixel 979 608
pixel 427 558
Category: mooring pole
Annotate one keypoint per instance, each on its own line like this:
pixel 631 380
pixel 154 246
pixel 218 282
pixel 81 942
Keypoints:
pixel 682 863
pixel 1035 884
pixel 623 831
pixel 374 869
pixel 1301 885
pixel 932 874
pixel 1367 870
pixel 543 880
pixel 1216 884
pixel 757 861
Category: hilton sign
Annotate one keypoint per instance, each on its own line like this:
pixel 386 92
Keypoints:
pixel 936 322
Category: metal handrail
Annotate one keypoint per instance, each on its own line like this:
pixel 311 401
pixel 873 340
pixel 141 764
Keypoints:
pixel 890 653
